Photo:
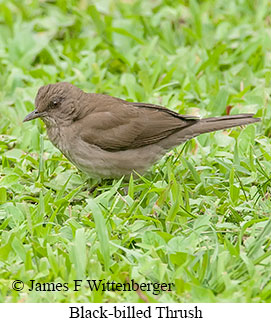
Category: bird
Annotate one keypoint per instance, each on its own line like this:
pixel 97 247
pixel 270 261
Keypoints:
pixel 108 137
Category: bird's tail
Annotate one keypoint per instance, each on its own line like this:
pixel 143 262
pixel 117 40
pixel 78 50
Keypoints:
pixel 225 122
pixel 212 124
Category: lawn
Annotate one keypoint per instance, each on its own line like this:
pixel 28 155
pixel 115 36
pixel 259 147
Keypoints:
pixel 201 217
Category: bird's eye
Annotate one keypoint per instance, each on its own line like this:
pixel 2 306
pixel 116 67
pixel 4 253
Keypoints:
pixel 54 103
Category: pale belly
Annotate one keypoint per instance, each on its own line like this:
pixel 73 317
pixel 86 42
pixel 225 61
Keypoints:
pixel 99 163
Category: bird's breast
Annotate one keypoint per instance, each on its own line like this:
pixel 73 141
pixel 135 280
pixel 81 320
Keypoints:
pixel 58 136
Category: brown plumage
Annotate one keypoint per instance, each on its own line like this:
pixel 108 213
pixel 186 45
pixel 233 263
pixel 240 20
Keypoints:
pixel 109 137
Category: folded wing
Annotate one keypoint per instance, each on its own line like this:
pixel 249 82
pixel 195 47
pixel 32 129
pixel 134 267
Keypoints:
pixel 122 125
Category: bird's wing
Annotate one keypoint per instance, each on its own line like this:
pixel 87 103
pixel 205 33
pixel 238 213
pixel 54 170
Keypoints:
pixel 119 125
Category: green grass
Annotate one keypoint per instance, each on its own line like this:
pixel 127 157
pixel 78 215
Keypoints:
pixel 201 216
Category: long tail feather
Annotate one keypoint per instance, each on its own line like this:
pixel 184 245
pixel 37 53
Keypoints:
pixel 209 125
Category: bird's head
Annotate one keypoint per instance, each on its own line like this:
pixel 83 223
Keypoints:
pixel 55 104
